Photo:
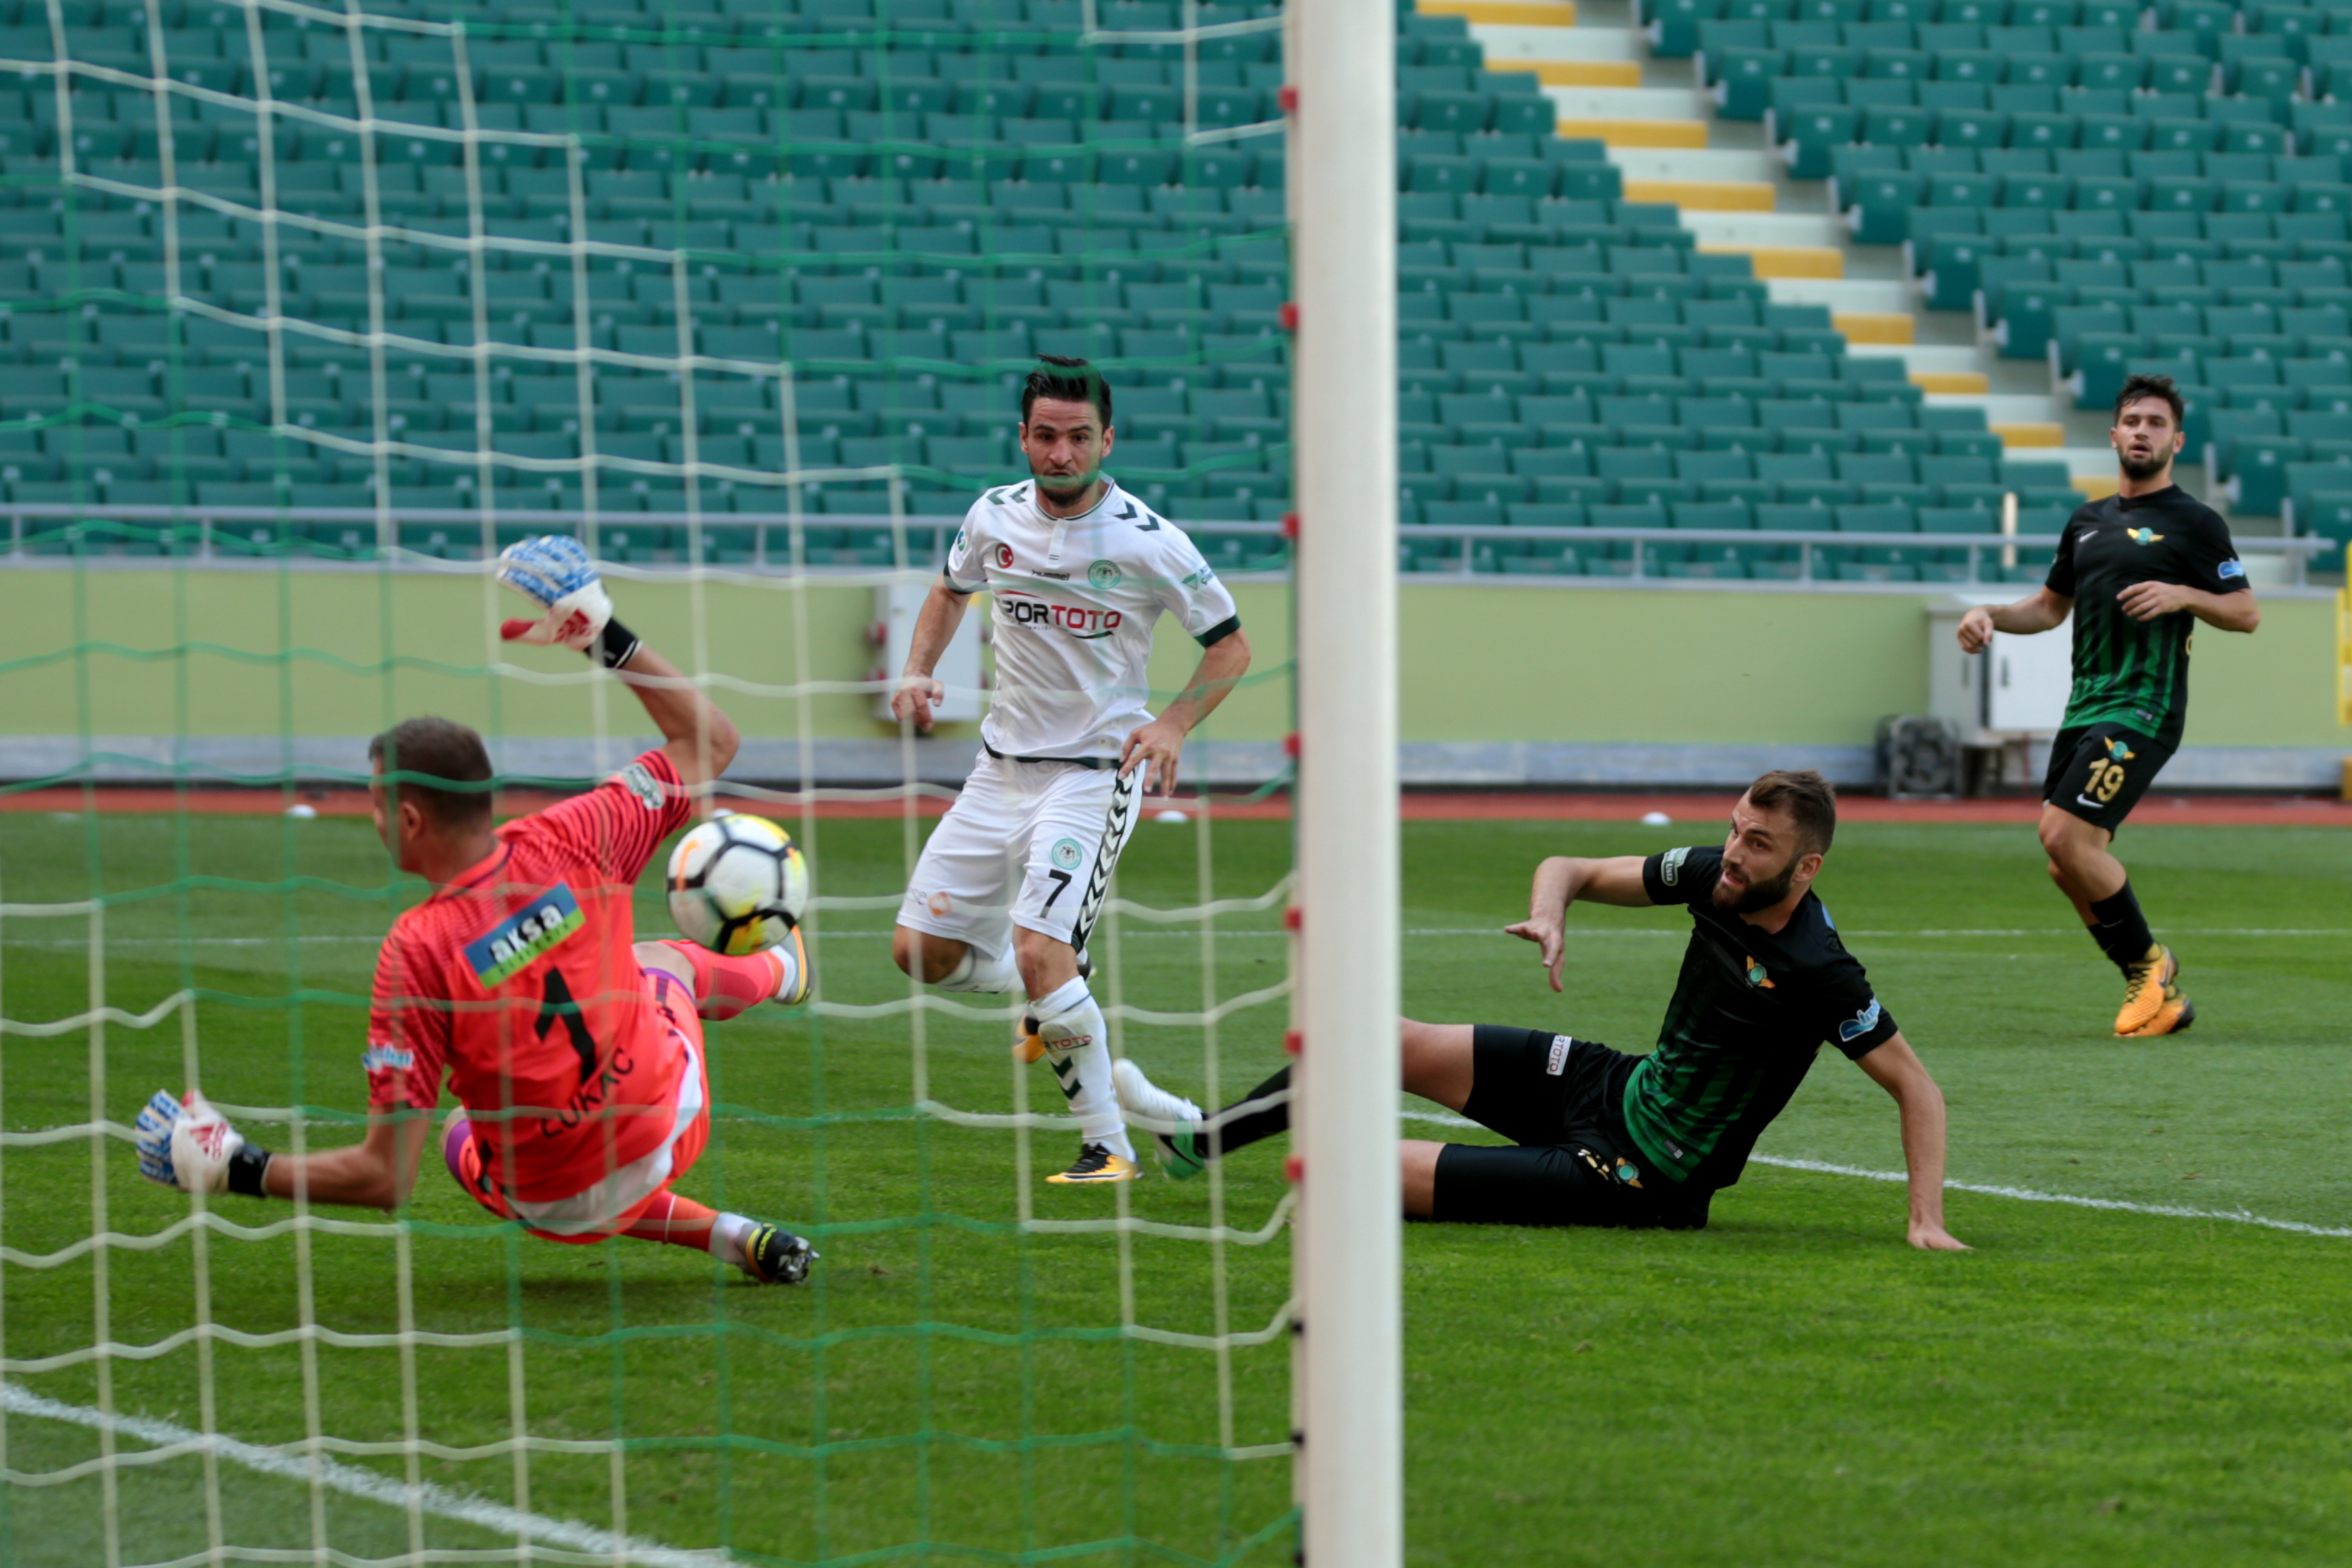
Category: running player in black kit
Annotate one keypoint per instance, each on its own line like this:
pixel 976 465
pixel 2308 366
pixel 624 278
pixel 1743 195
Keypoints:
pixel 1608 1139
pixel 2133 569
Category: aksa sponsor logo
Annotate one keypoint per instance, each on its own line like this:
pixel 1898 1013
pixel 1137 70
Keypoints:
pixel 2230 567
pixel 1670 866
pixel 521 938
pixel 1557 1061
pixel 1861 1024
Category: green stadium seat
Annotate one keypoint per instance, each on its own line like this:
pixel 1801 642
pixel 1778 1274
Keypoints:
pixel 2274 77
pixel 1810 135
pixel 1896 127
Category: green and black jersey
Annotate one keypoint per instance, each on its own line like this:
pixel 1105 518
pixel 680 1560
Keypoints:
pixel 2127 672
pixel 1750 1010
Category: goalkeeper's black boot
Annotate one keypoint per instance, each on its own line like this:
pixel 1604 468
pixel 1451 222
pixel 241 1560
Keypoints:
pixel 774 1256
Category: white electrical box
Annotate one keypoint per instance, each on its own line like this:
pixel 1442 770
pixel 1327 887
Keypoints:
pixel 2015 690
pixel 895 610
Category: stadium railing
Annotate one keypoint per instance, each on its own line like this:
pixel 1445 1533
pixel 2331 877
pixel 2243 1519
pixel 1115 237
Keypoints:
pixel 1955 546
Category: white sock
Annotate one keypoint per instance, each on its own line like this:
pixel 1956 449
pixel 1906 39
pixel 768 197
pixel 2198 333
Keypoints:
pixel 727 1237
pixel 789 956
pixel 1078 1045
pixel 979 972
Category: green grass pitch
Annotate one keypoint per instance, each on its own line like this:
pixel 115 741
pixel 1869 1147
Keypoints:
pixel 1792 1385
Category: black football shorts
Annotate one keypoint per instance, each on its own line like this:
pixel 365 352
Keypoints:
pixel 2099 771
pixel 1554 1096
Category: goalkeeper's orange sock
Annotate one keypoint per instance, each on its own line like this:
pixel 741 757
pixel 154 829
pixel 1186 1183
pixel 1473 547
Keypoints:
pixel 725 986
pixel 682 1222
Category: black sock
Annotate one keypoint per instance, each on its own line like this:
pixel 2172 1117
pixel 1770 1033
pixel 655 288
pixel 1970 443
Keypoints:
pixel 2120 929
pixel 1242 1131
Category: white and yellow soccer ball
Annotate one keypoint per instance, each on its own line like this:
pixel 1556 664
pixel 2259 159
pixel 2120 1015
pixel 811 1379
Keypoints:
pixel 736 884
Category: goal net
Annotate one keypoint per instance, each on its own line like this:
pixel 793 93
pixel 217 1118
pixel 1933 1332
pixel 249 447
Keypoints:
pixel 311 312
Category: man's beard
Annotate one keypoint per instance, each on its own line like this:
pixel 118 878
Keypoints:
pixel 1759 894
pixel 1062 489
pixel 2148 468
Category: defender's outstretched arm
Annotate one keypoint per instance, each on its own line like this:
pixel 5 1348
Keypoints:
pixel 1561 881
pixel 1895 1066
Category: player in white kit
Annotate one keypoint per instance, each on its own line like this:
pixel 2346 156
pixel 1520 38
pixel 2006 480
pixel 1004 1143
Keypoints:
pixel 1079 571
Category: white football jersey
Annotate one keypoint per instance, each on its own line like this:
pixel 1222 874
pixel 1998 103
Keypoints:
pixel 1075 601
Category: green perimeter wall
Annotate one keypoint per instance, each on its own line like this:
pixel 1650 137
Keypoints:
pixel 1480 663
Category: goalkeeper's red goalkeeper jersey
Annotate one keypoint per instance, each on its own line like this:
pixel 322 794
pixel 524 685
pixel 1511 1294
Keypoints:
pixel 517 978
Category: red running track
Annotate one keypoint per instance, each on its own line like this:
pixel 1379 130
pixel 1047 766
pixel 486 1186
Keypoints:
pixel 2156 811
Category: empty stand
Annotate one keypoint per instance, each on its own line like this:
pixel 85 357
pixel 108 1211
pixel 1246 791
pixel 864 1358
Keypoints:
pixel 763 260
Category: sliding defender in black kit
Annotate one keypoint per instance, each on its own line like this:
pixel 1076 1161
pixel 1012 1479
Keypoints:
pixel 1607 1139
pixel 2137 570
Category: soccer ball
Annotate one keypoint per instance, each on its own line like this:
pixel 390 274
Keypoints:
pixel 736 884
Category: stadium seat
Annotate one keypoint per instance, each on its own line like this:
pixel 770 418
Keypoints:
pixel 858 248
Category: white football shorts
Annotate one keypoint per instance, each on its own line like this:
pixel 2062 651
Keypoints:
pixel 1015 848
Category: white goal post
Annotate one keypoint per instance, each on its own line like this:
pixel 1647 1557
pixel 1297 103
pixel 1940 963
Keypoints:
pixel 1348 1361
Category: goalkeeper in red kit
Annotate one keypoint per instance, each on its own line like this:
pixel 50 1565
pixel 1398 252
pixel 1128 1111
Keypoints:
pixel 575 1051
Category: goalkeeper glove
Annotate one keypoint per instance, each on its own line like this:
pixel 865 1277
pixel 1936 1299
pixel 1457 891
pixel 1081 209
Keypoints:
pixel 192 1147
pixel 553 571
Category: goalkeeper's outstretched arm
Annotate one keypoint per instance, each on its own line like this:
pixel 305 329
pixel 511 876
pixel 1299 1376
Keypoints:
pixel 698 737
pixel 378 1172
pixel 190 1146
pixel 554 573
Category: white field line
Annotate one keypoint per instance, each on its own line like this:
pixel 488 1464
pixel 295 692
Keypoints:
pixel 352 1481
pixel 76 943
pixel 2028 1195
pixel 2022 1194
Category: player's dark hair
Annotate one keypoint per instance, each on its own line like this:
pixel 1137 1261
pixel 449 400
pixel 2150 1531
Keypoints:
pixel 431 753
pixel 2137 387
pixel 1065 379
pixel 1808 799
